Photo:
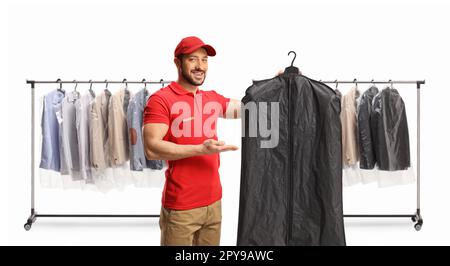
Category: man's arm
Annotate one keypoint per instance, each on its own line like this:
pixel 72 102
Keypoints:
pixel 158 149
pixel 233 109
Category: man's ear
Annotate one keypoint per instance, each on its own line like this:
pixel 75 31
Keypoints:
pixel 177 62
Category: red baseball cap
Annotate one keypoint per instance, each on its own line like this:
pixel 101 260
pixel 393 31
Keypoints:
pixel 190 44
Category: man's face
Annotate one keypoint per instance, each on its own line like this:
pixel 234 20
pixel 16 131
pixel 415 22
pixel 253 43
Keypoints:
pixel 193 66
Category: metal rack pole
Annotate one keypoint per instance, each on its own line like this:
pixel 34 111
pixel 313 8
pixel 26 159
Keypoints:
pixel 376 81
pixel 418 217
pixel 32 218
pixel 97 81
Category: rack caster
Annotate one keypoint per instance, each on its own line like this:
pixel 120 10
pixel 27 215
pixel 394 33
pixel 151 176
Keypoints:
pixel 27 226
pixel 30 220
pixel 418 225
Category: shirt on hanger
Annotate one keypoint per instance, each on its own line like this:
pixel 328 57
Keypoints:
pixel 350 150
pixel 138 161
pixel 82 126
pixel 98 131
pixel 70 156
pixel 50 156
pixel 117 127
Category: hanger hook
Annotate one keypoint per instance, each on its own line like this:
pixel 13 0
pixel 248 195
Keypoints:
pixel 162 82
pixel 60 84
pixel 295 56
pixel 106 81
pixel 126 83
pixel 392 83
pixel 145 84
pixel 336 81
pixel 356 82
pixel 90 81
pixel 76 84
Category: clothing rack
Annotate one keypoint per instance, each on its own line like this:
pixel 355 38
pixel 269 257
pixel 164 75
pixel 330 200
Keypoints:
pixel 415 217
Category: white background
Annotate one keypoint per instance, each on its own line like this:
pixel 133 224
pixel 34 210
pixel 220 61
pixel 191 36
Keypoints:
pixel 85 40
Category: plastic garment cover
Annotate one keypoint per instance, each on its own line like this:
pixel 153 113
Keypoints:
pixel 350 151
pixel 390 131
pixel 366 149
pixel 75 136
pixel 50 156
pixel 98 131
pixel 291 194
pixel 117 127
pixel 82 126
pixel 138 161
pixel 69 150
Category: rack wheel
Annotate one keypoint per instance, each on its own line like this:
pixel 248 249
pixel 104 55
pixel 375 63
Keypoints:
pixel 27 226
pixel 417 227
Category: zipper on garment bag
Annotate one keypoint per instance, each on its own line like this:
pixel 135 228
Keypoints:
pixel 290 175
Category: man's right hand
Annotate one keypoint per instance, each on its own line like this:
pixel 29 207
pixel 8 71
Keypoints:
pixel 210 146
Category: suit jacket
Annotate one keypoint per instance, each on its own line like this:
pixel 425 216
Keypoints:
pixel 365 138
pixel 390 130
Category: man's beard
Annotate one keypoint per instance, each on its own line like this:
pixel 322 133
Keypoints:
pixel 190 80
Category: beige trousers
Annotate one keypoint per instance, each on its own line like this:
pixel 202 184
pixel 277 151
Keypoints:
pixel 197 227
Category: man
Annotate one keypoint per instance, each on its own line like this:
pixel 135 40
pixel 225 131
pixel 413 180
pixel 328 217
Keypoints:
pixel 180 127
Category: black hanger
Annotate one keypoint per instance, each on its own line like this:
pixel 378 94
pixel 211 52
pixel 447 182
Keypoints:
pixel 162 82
pixel 145 84
pixel 292 68
pixel 60 86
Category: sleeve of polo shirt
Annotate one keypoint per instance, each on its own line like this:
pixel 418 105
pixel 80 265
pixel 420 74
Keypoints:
pixel 223 102
pixel 156 111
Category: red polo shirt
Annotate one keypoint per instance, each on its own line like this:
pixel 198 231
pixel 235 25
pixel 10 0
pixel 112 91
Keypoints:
pixel 190 182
